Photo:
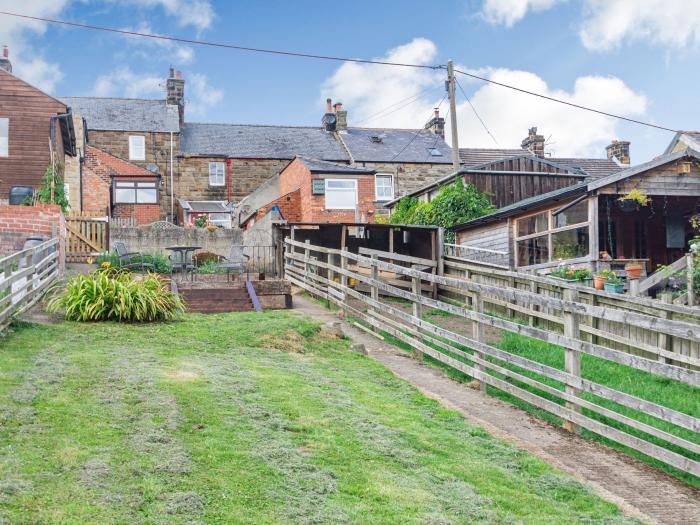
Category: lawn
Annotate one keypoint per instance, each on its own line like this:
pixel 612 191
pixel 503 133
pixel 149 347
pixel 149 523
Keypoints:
pixel 247 418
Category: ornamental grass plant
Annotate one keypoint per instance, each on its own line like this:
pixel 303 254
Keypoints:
pixel 114 295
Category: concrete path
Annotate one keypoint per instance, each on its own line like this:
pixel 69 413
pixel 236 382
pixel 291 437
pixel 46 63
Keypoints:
pixel 640 490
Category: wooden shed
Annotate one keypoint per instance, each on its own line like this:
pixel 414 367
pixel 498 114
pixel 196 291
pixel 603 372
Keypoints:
pixel 592 223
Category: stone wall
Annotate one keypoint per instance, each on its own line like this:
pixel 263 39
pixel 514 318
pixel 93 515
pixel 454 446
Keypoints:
pixel 18 223
pixel 157 236
pixel 246 175
pixel 157 152
pixel 409 176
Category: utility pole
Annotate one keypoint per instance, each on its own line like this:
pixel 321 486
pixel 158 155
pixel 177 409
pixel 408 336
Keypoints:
pixel 451 84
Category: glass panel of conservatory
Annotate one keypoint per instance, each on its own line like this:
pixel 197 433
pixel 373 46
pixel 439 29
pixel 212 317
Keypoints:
pixel 534 224
pixel 574 215
pixel 533 251
pixel 570 244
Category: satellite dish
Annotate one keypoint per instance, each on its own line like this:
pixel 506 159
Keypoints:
pixel 152 167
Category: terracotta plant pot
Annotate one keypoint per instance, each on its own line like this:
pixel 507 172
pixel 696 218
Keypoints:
pixel 599 282
pixel 633 271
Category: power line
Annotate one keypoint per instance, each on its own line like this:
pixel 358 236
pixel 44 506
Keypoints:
pixel 552 99
pixel 218 44
pixel 330 58
pixel 389 109
pixel 477 114
pixel 418 131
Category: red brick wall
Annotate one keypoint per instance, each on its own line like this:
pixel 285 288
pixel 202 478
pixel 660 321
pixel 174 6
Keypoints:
pixel 96 191
pixel 17 223
pixel 289 205
pixel 297 176
pixel 142 213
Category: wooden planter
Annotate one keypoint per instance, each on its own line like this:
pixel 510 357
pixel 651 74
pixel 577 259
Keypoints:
pixel 628 205
pixel 616 288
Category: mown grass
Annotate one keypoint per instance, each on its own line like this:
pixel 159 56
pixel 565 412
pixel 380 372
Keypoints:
pixel 247 418
pixel 667 392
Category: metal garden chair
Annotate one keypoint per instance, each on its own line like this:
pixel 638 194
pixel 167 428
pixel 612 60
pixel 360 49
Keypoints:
pixel 236 262
pixel 126 258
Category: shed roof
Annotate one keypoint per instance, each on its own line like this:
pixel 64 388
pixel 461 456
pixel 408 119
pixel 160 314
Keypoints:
pixel 396 145
pixel 125 114
pixel 259 141
pixel 474 156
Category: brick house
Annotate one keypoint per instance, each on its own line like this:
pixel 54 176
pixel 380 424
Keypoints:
pixel 34 128
pixel 311 190
pixel 118 188
pixel 144 132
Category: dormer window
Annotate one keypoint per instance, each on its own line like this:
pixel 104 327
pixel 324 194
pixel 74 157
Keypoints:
pixel 434 152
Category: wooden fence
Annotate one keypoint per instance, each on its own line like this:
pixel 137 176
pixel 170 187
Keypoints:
pixel 672 435
pixel 25 276
pixel 610 331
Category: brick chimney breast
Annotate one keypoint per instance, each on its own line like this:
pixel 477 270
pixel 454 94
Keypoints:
pixel 534 142
pixel 175 92
pixel 619 150
pixel 341 115
pixel 5 60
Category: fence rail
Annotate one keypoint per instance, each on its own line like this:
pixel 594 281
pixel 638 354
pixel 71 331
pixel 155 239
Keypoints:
pixel 24 276
pixel 495 258
pixel 579 401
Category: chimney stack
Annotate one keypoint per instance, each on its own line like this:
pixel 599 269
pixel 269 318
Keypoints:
pixel 175 92
pixel 534 142
pixel 341 118
pixel 436 124
pixel 619 151
pixel 5 60
pixel 329 119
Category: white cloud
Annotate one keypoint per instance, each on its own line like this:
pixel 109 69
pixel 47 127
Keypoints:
pixel 18 34
pixel 155 48
pixel 508 12
pixel 123 82
pixel 610 23
pixel 200 95
pixel 196 13
pixel 367 89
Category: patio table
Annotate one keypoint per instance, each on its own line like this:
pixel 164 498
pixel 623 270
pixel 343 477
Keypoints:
pixel 180 262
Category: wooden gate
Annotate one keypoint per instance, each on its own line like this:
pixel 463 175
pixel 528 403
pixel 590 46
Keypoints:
pixel 87 235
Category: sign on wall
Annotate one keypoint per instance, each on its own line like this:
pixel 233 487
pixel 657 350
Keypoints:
pixel 318 186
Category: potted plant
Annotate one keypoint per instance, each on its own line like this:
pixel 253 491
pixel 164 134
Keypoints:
pixel 633 200
pixel 573 275
pixel 634 270
pixel 600 277
pixel 614 284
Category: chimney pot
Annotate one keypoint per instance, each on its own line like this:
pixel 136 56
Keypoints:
pixel 338 106
pixel 178 74
pixel 437 112
pixel 5 52
pixel 5 60
pixel 329 107
pixel 171 72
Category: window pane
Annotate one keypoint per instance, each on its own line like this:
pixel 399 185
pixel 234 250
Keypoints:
pixel 4 136
pixel 341 184
pixel 124 195
pixel 137 147
pixel 341 194
pixel 534 224
pixel 533 251
pixel 384 187
pixel 216 174
pixel 146 195
pixel 570 244
pixel 574 215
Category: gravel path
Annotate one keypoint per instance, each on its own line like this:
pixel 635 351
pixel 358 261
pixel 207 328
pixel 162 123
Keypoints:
pixel 640 490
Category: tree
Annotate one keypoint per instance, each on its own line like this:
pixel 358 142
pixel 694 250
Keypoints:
pixel 454 204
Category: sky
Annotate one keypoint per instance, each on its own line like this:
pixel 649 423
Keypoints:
pixel 636 58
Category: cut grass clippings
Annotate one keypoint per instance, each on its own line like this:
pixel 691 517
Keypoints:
pixel 248 418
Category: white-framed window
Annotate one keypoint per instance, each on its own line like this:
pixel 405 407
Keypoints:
pixel 384 186
pixel 137 147
pixel 341 194
pixel 217 174
pixel 135 192
pixel 4 137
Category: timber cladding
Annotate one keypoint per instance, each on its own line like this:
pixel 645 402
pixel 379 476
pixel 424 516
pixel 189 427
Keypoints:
pixel 29 112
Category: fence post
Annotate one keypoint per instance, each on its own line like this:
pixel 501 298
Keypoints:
pixel 532 319
pixel 343 277
pixel 634 287
pixel 416 289
pixel 307 255
pixel 374 291
pixel 691 288
pixel 665 342
pixel 478 335
pixel 572 358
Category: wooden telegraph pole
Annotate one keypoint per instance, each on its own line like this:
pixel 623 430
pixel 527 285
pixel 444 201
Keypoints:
pixel 451 85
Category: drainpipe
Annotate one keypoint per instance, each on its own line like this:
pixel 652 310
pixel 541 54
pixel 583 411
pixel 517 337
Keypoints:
pixel 228 177
pixel 172 187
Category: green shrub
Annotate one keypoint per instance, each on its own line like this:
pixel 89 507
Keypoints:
pixel 160 262
pixel 209 266
pixel 117 296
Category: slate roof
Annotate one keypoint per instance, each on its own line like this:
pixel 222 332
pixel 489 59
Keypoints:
pixel 260 142
pixel 125 114
pixel 322 166
pixel 593 167
pixel 396 145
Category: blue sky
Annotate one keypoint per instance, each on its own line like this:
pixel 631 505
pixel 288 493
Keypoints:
pixel 618 55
